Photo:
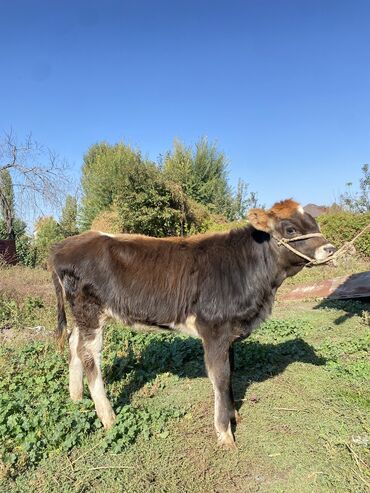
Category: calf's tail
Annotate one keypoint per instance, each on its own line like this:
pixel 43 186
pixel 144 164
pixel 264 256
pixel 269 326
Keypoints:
pixel 61 330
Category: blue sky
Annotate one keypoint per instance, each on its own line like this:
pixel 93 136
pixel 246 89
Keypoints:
pixel 282 86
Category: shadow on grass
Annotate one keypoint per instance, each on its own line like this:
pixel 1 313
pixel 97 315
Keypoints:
pixel 254 362
pixel 346 297
pixel 351 307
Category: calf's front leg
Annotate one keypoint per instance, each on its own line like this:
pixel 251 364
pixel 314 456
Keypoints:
pixel 234 415
pixel 216 352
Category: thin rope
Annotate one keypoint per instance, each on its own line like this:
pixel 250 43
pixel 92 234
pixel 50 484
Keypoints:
pixel 302 237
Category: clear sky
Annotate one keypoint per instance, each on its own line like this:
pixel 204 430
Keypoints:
pixel 283 86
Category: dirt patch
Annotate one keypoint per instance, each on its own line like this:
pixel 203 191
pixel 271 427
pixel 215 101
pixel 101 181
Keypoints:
pixel 19 282
pixel 10 335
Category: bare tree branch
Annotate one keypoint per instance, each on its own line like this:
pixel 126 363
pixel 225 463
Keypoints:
pixel 38 174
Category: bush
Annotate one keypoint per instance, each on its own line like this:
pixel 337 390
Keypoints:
pixel 48 233
pixel 148 204
pixel 107 221
pixel 218 227
pixel 341 227
pixel 26 252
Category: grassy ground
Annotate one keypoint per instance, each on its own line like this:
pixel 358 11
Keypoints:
pixel 301 384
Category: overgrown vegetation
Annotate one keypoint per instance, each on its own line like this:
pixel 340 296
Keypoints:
pixel 36 373
pixel 36 418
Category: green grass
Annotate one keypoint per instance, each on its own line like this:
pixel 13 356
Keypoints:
pixel 302 387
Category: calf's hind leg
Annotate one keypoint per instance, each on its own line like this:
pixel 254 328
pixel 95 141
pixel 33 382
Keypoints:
pixel 89 351
pixel 86 344
pixel 75 367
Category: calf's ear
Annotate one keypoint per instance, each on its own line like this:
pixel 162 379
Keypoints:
pixel 261 220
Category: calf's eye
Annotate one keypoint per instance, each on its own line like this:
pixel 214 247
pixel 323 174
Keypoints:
pixel 290 231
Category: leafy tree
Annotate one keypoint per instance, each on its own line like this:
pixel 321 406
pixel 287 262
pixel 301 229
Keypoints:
pixel 187 190
pixel 102 172
pixel 7 204
pixel 243 201
pixel 202 173
pixel 68 222
pixel 26 251
pixel 149 204
pixel 48 232
pixel 19 228
pixel 358 201
pixel 178 166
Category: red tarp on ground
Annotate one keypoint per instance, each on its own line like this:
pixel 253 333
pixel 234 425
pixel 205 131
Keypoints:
pixel 353 286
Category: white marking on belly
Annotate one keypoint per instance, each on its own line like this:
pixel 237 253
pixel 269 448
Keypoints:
pixel 189 327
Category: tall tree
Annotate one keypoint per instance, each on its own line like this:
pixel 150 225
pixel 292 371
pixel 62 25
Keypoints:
pixel 178 166
pixel 202 173
pixel 102 171
pixel 358 201
pixel 68 221
pixel 7 203
pixel 48 232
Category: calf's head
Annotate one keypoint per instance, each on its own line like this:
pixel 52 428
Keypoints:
pixel 287 220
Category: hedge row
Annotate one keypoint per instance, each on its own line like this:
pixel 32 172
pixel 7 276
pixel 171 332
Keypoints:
pixel 341 227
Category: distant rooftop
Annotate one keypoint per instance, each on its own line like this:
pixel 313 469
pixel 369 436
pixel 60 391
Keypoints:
pixel 315 210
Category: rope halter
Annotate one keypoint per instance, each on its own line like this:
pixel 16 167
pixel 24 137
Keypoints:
pixel 311 261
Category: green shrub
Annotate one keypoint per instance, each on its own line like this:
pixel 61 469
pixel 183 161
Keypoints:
pixel 216 227
pixel 107 221
pixel 148 204
pixel 18 315
pixel 48 233
pixel 341 227
pixel 26 252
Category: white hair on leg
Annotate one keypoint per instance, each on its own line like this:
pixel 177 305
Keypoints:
pixel 96 385
pixel 75 368
pixel 225 436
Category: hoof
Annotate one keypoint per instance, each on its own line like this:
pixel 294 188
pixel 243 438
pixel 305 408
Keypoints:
pixel 108 421
pixel 76 396
pixel 226 440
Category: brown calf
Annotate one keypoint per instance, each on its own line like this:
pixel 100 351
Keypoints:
pixel 218 287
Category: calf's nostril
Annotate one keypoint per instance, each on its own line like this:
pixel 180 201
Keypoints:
pixel 330 249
